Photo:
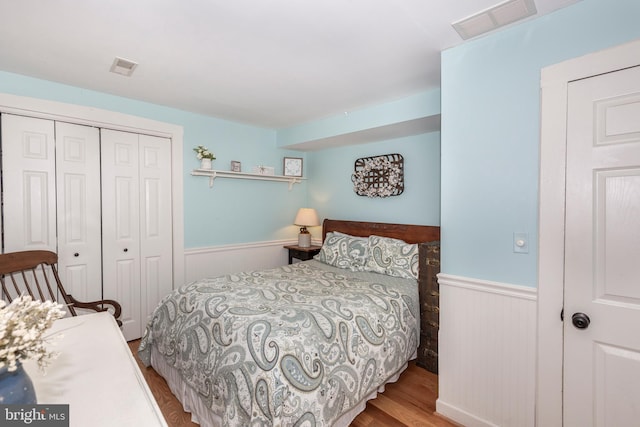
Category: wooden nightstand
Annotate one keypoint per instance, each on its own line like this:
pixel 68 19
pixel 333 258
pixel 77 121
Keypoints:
pixel 303 254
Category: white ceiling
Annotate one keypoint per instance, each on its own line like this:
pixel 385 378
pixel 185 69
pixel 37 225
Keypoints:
pixel 271 63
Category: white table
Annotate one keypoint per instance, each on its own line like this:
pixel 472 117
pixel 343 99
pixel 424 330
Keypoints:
pixel 96 375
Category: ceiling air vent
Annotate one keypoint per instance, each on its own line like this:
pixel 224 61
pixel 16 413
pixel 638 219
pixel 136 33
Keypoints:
pixel 123 66
pixel 495 17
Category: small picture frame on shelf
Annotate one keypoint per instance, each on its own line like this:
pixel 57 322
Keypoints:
pixel 292 166
pixel 264 170
pixel 236 166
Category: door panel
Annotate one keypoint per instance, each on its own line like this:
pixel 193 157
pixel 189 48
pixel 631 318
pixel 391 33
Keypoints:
pixel 615 119
pixel 120 225
pixel 127 287
pixel 155 221
pixel 602 361
pixel 617 373
pixel 79 212
pixel 618 273
pixel 29 185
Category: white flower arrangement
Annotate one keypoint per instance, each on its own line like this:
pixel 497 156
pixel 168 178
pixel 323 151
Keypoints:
pixel 22 325
pixel 204 153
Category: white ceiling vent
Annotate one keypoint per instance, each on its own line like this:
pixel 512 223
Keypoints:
pixel 495 17
pixel 123 66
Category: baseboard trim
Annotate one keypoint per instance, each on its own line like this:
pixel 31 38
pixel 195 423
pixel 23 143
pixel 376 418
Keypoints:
pixel 459 416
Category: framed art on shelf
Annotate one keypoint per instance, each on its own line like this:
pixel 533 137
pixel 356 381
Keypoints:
pixel 292 166
pixel 236 166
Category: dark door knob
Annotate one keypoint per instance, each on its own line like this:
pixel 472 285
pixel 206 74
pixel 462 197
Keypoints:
pixel 580 320
pixel 76 254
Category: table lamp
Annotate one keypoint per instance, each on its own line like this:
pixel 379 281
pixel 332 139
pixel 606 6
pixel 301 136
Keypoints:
pixel 306 217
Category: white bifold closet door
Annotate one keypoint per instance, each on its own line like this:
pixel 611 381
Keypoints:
pixel 28 184
pixel 99 198
pixel 78 210
pixel 51 197
pixel 136 223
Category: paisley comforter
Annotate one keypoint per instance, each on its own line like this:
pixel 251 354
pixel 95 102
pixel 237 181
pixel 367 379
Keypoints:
pixel 295 345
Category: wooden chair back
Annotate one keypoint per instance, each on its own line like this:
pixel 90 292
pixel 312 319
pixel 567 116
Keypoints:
pixel 35 273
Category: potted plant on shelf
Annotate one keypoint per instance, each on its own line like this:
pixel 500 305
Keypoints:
pixel 205 156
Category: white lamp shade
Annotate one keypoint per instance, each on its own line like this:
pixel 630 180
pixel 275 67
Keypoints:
pixel 307 217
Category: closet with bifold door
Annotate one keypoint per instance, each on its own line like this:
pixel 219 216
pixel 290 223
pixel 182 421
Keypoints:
pixel 101 199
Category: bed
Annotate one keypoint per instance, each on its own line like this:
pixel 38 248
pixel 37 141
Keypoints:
pixel 302 344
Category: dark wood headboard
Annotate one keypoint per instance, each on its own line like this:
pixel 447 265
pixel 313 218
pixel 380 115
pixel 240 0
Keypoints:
pixel 407 232
pixel 428 238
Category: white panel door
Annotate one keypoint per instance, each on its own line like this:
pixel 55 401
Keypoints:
pixel 121 226
pixel 156 258
pixel 78 210
pixel 602 258
pixel 28 183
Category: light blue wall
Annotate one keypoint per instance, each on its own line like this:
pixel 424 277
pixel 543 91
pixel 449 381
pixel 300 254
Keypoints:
pixel 416 106
pixel 240 211
pixel 234 211
pixel 331 190
pixel 490 133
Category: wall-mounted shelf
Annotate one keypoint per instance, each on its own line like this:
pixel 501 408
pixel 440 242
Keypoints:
pixel 213 174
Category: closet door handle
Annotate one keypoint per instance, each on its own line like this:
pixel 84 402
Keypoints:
pixel 76 255
pixel 126 250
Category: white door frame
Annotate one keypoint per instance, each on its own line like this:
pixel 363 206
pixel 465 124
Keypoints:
pixel 90 116
pixel 553 144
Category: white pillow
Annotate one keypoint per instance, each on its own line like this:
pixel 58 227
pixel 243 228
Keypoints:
pixel 393 257
pixel 344 251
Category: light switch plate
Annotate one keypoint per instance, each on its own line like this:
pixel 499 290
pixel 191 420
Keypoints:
pixel 521 243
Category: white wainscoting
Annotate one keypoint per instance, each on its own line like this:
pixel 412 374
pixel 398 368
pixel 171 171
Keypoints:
pixel 219 260
pixel 487 349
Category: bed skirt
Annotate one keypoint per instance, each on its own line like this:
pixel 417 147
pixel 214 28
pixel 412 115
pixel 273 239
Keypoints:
pixel 202 415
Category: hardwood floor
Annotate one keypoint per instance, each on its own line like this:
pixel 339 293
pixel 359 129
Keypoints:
pixel 409 402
